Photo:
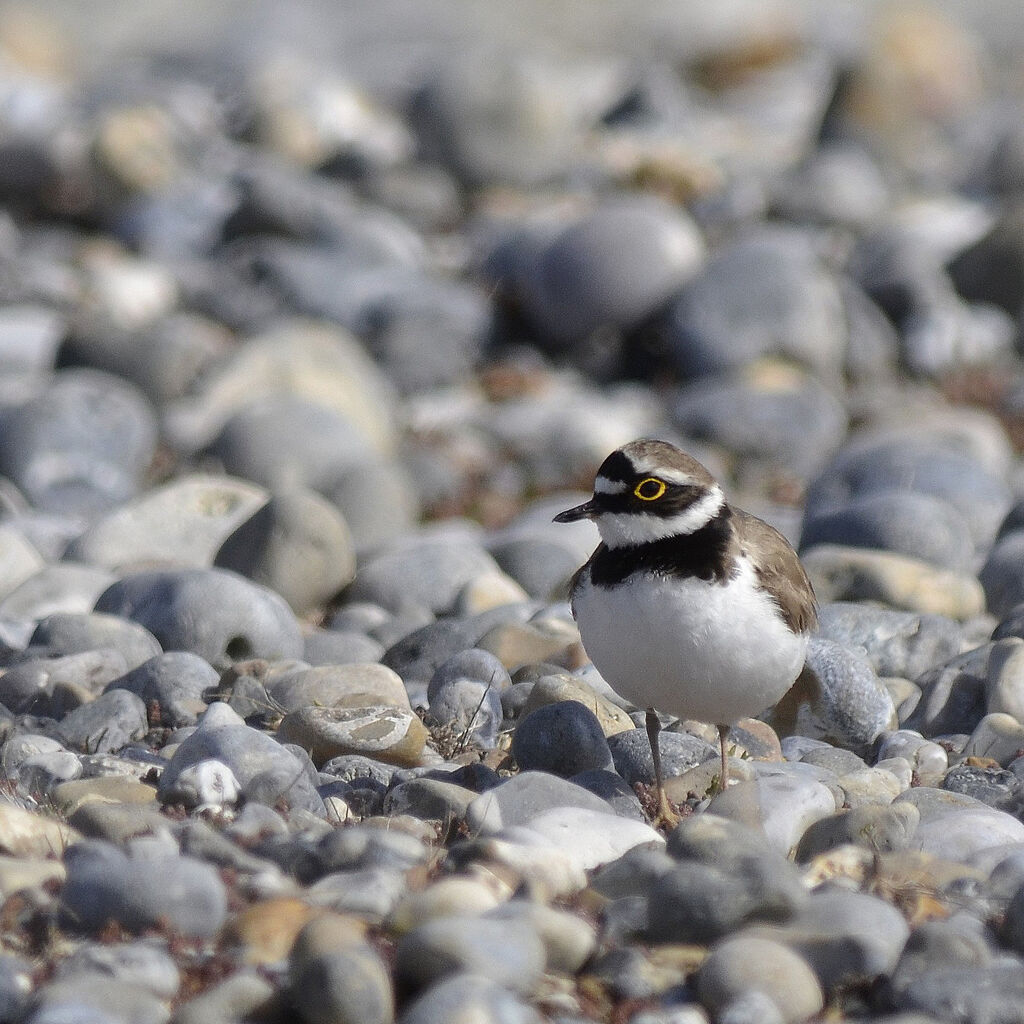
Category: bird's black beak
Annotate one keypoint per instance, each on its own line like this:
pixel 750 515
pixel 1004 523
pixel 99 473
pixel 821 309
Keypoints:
pixel 587 510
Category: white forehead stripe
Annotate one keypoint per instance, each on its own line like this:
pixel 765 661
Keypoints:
pixel 650 467
pixel 602 485
pixel 625 529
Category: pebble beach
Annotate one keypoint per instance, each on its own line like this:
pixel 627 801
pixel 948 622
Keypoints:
pixel 312 317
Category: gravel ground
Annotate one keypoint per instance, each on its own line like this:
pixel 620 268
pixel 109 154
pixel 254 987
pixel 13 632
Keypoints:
pixel 311 317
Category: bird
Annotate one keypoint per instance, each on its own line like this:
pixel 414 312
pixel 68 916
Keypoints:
pixel 688 605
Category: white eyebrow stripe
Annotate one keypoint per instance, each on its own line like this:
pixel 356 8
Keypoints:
pixel 670 476
pixel 602 485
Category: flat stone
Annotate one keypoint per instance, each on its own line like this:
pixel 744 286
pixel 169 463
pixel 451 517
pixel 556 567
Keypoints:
pixel 518 800
pixel 388 734
pixel 357 685
pixel 182 523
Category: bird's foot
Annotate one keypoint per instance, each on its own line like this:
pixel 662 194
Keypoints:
pixel 667 817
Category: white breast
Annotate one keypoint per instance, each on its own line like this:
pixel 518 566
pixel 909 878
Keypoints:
pixel 711 651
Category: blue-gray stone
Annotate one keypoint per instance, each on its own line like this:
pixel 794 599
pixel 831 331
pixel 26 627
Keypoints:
pixel 109 722
pixel 631 752
pixel 906 522
pixel 211 612
pixel 564 738
pixel 68 633
pixel 140 892
pixel 175 682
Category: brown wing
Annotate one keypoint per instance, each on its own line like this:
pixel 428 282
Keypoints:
pixel 779 569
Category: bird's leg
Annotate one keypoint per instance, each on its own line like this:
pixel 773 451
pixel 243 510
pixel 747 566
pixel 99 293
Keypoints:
pixel 723 779
pixel 666 814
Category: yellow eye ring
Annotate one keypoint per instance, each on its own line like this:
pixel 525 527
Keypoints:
pixel 649 489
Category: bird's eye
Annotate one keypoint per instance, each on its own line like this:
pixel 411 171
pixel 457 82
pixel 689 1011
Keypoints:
pixel 649 489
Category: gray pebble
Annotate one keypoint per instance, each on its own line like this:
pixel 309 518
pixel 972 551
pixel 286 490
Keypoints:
pixel 64 633
pixel 210 612
pixel 468 993
pixel 612 269
pixel 879 829
pixel 175 682
pixel 109 722
pixel 563 738
pixel 339 647
pixel 262 766
pixel 343 986
pixel 794 423
pixel 286 441
pixel 431 799
pixel 920 463
pixel 81 445
pixel 700 902
pixel 65 587
pixel 182 523
pixel 763 294
pixel 425 572
pixel 611 787
pixel 853 707
pixel 897 643
pixel 744 964
pixel 15 985
pixel 519 799
pixel 953 695
pixel 244 994
pixel 95 999
pixel 631 752
pixel 464 695
pixel 507 952
pixel 297 545
pixel 144 962
pixel 369 893
pixel 1001 574
pixel 906 522
pixel 138 892
pixel 422 651
pixel 844 936
pixel 378 501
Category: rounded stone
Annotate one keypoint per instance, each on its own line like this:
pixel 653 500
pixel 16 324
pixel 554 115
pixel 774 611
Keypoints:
pixel 879 829
pixel 175 682
pixel 378 502
pixel 420 572
pixel 905 522
pixel 211 612
pixel 507 952
pixel 469 995
pixel 389 734
pixel 840 572
pixel 563 738
pixel 351 686
pixel 82 445
pixel 182 523
pixel 851 706
pixel 746 964
pixel 65 633
pixel 346 986
pixel 783 806
pixel 110 722
pixel 286 442
pixel 613 268
pixel 297 545
pixel 766 293
pixel 771 413
pixel 897 643
pixel 551 688
pixel 263 767
pixel 140 892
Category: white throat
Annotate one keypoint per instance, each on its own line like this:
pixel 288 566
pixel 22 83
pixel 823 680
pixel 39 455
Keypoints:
pixel 627 529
